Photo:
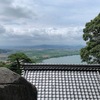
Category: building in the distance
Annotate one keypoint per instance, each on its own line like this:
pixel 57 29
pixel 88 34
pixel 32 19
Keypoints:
pixel 64 82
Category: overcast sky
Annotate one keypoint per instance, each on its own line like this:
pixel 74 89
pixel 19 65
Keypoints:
pixel 35 22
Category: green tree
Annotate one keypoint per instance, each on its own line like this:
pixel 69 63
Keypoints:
pixel 2 64
pixel 16 60
pixel 91 53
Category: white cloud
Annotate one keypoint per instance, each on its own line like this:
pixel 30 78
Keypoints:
pixel 43 35
pixel 2 29
pixel 31 22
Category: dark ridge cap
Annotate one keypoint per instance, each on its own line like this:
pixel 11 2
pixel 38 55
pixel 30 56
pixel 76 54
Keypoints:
pixel 40 66
pixel 60 64
pixel 55 64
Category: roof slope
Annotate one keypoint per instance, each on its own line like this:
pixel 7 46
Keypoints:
pixel 65 82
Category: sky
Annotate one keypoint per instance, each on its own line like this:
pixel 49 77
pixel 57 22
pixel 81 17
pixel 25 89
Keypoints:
pixel 36 22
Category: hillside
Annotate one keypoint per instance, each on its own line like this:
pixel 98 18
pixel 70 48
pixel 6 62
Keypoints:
pixel 41 52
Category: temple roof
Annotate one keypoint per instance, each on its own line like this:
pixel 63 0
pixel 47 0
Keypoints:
pixel 64 82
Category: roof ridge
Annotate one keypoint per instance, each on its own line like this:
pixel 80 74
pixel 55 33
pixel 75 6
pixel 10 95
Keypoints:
pixel 60 67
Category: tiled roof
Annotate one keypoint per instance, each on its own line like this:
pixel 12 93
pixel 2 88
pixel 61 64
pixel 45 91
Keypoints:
pixel 64 82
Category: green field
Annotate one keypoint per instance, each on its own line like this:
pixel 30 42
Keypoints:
pixel 40 54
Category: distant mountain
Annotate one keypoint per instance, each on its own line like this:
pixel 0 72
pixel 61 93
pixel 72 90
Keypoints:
pixel 57 47
pixel 78 47
pixel 45 47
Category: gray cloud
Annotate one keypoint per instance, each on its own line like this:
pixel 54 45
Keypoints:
pixel 48 35
pixel 2 29
pixel 67 12
pixel 5 1
pixel 31 22
pixel 16 13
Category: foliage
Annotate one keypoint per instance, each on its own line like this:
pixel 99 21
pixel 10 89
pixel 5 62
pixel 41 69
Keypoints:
pixel 91 53
pixel 40 54
pixel 2 64
pixel 16 60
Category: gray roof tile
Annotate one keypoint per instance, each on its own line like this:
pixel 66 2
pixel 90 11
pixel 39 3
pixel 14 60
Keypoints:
pixel 71 83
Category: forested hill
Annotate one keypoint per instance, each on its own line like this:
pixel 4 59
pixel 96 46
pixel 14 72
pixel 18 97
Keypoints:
pixel 41 52
pixel 45 47
pixel 58 46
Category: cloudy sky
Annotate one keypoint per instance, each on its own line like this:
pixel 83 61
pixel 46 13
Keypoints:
pixel 35 22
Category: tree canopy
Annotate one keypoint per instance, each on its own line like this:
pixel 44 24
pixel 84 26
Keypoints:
pixel 2 64
pixel 19 57
pixel 16 59
pixel 91 52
